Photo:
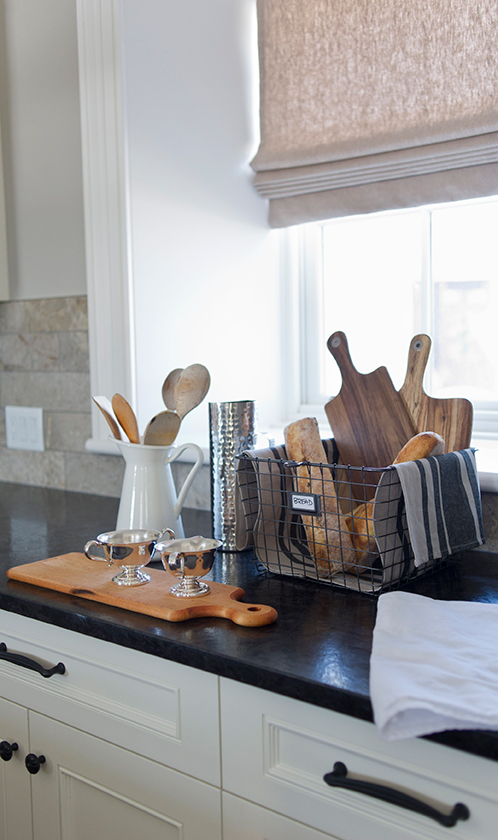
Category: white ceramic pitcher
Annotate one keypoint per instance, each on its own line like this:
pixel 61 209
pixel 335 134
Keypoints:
pixel 148 498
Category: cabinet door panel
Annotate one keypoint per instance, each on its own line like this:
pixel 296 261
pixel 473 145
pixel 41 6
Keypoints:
pixel 89 788
pixel 86 808
pixel 15 791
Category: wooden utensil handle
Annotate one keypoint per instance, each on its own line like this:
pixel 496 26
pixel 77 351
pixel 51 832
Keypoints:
pixel 412 391
pixel 338 346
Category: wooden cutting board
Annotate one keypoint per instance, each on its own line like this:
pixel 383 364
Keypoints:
pixel 75 574
pixel 368 417
pixel 450 418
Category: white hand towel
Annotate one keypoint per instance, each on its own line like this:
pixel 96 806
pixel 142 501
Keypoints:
pixel 434 666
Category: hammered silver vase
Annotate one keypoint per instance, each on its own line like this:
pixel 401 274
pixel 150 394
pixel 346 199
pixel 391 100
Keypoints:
pixel 232 429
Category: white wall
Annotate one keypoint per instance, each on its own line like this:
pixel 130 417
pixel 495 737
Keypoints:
pixel 205 263
pixel 42 148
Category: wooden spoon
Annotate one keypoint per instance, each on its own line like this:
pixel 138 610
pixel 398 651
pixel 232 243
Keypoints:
pixel 126 418
pixel 168 390
pixel 105 406
pixel 162 429
pixel 191 388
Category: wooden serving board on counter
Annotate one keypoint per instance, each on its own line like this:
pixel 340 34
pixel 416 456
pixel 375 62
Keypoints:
pixel 75 574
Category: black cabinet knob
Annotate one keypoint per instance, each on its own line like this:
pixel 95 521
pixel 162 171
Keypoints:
pixel 33 762
pixel 7 749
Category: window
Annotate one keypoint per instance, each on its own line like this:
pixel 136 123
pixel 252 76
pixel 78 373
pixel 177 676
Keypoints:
pixel 385 277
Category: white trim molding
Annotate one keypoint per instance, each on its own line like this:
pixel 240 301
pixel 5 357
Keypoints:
pixel 4 265
pixel 106 192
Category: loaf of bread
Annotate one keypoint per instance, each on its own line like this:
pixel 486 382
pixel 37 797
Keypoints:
pixel 360 523
pixel 328 536
pixel 421 446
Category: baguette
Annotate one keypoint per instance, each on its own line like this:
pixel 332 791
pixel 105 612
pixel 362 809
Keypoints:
pixel 328 536
pixel 421 446
pixel 360 523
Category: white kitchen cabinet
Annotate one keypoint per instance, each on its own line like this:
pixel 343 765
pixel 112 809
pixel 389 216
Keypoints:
pixel 15 789
pixel 126 738
pixel 89 788
pixel 276 751
pixel 134 749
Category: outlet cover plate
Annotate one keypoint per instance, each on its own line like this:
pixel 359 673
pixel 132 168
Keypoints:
pixel 24 428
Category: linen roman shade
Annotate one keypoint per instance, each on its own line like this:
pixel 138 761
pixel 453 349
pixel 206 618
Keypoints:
pixel 379 105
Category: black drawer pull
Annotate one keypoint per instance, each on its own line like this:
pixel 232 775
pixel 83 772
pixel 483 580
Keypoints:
pixel 7 749
pixel 24 662
pixel 33 762
pixel 338 779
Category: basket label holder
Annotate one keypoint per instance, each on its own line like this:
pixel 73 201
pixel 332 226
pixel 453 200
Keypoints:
pixel 305 503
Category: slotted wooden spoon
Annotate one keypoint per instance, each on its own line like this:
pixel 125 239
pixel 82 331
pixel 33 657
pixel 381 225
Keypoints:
pixel 368 417
pixel 450 418
pixel 191 388
pixel 162 429
pixel 126 418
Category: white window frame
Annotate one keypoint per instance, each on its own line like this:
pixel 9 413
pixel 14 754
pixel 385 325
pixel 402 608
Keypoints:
pixel 303 278
pixel 4 266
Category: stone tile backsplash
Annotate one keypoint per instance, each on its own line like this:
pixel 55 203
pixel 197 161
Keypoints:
pixel 44 363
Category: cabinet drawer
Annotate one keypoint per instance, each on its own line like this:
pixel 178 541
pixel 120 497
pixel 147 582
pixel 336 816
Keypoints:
pixel 147 704
pixel 243 820
pixel 276 751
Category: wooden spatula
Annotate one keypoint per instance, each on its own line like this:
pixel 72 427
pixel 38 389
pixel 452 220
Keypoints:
pixel 368 417
pixel 126 418
pixel 106 408
pixel 450 418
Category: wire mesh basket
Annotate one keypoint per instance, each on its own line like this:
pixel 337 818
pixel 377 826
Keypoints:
pixel 339 525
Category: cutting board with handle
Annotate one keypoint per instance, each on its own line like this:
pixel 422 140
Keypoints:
pixel 450 418
pixel 368 417
pixel 75 574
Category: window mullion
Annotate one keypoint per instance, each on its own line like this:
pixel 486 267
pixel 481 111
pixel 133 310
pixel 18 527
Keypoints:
pixel 312 315
pixel 427 289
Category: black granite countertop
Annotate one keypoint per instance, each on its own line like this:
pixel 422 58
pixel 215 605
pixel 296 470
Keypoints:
pixel 317 651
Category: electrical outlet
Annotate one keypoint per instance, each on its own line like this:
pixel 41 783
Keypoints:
pixel 24 428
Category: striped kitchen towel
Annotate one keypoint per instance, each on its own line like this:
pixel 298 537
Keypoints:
pixel 443 505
